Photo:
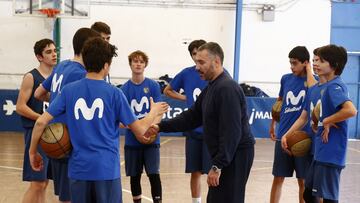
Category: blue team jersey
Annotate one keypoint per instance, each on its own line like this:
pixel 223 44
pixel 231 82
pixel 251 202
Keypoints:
pixel 138 96
pixel 293 91
pixel 189 80
pixel 64 73
pixel 333 152
pixel 93 110
pixel 312 99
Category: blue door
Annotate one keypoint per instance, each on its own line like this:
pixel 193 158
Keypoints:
pixel 345 31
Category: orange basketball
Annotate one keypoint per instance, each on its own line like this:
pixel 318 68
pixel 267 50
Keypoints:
pixel 315 115
pixel 299 143
pixel 151 136
pixel 55 141
pixel 275 110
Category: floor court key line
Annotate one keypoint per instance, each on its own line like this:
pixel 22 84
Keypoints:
pixel 10 167
pixel 352 149
pixel 165 141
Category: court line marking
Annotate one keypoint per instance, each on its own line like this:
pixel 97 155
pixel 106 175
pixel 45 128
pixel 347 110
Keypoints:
pixel 124 190
pixel 142 196
pixel 165 141
pixel 355 150
pixel 10 167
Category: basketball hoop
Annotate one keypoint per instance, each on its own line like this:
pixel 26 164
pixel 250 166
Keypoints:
pixel 50 12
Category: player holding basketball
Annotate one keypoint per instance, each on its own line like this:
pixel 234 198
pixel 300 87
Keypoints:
pixel 138 91
pixel 331 139
pixel 30 109
pixel 64 73
pixel 197 156
pixel 94 132
pixel 304 121
pixel 292 93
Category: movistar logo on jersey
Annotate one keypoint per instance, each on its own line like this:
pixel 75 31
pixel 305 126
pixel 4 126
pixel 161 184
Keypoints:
pixel 196 93
pixel 56 83
pixel 138 107
pixel 88 113
pixel 294 101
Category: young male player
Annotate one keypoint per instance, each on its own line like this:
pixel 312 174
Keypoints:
pixel 138 91
pixel 30 109
pixel 64 73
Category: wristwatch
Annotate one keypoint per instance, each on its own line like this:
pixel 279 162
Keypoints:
pixel 215 169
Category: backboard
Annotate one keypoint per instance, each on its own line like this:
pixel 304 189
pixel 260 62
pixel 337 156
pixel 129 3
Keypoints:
pixel 67 8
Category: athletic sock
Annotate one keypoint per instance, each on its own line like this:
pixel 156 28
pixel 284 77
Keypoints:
pixel 196 200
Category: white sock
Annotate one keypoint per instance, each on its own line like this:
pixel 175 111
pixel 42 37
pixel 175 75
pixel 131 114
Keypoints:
pixel 196 200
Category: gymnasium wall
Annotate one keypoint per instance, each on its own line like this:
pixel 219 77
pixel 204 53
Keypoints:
pixel 163 32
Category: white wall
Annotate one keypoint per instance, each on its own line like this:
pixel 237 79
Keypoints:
pixel 265 45
pixel 161 32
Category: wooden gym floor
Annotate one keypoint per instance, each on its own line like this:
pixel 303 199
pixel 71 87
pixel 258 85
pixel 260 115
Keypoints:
pixel 175 182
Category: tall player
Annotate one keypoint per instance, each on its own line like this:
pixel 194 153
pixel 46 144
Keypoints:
pixel 64 73
pixel 138 91
pixel 30 109
pixel 292 94
pixel 197 155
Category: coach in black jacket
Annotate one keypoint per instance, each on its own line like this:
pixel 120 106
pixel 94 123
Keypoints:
pixel 221 110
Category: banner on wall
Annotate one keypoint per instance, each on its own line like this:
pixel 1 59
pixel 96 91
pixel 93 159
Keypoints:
pixel 259 111
pixel 10 120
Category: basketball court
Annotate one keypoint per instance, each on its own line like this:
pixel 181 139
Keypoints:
pixel 43 17
pixel 175 182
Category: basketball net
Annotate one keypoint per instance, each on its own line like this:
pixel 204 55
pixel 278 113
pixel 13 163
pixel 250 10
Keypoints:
pixel 51 15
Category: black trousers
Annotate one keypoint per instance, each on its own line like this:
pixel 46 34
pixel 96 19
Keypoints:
pixel 233 179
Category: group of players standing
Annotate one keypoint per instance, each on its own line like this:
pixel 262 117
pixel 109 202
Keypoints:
pixel 318 173
pixel 78 177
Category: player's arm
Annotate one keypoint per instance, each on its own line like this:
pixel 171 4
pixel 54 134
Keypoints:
pixel 347 111
pixel 299 124
pixel 169 92
pixel 42 94
pixel 36 160
pixel 310 79
pixel 139 127
pixel 24 95
pixel 273 125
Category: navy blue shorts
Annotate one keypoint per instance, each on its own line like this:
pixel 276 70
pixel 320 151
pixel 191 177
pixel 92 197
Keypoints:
pixel 28 173
pixel 83 191
pixel 197 155
pixel 284 165
pixel 136 158
pixel 61 178
pixel 324 180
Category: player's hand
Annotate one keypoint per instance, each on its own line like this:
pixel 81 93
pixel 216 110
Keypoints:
pixel 272 132
pixel 159 107
pixel 285 146
pixel 36 161
pixel 152 130
pixel 308 67
pixel 326 131
pixel 213 178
